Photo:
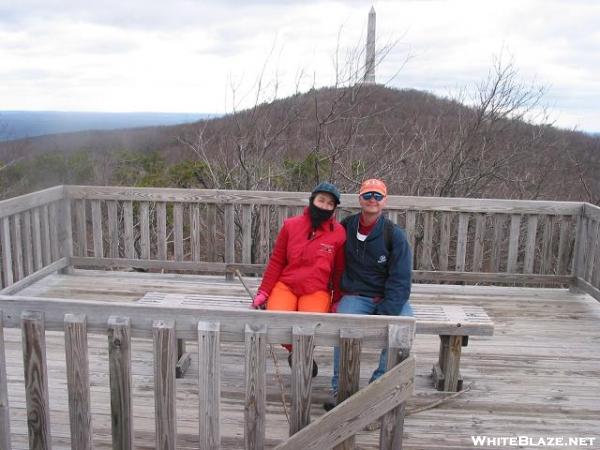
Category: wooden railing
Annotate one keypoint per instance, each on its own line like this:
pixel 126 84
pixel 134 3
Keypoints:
pixel 587 261
pixel 453 239
pixel 34 237
pixel 208 327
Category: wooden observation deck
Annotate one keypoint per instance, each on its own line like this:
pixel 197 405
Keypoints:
pixel 76 261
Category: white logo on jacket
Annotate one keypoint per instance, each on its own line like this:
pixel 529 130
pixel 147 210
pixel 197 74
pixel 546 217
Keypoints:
pixel 382 259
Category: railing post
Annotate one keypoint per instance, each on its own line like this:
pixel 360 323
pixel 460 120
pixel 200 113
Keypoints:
pixel 119 356
pixel 165 359
pixel 36 379
pixel 302 362
pixel 400 339
pixel 256 395
pixel 4 408
pixel 209 385
pixel 350 346
pixel 76 355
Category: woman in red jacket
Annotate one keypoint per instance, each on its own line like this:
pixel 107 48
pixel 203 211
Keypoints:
pixel 308 258
pixel 306 266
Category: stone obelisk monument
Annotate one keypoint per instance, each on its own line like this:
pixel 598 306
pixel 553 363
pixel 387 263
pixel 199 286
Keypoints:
pixel 370 58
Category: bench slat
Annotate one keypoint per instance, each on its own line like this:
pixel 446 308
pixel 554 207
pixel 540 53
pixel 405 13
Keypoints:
pixel 455 320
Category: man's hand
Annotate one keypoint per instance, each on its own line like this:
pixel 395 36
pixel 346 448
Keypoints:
pixel 259 301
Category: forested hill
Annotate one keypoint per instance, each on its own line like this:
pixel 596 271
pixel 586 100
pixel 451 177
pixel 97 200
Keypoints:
pixel 421 144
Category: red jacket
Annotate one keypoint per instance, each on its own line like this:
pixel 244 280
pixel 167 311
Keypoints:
pixel 307 263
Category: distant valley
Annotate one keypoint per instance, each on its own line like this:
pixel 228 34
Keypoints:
pixel 24 124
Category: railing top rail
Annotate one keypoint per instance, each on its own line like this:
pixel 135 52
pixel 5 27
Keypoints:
pixel 34 199
pixel 300 199
pixel 232 322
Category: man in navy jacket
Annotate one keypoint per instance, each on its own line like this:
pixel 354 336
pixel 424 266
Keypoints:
pixel 377 276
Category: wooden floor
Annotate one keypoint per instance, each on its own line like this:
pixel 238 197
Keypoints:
pixel 538 376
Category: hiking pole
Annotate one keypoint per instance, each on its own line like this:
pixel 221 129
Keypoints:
pixel 273 356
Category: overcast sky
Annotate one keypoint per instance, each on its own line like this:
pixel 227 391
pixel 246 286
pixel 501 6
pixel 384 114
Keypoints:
pixel 193 55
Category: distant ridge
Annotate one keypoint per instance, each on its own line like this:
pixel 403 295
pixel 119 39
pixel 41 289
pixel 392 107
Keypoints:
pixel 421 144
pixel 24 124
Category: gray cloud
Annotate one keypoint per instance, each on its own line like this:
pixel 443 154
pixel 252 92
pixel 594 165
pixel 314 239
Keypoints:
pixel 449 44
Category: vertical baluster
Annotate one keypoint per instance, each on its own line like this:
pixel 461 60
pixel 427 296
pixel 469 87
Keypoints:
pixel 478 243
pixel 256 398
pixel 28 242
pixel 301 383
pixel 165 360
pixel 80 227
pixel 45 225
pixel 4 407
pixel 563 250
pixel 593 233
pixel 119 361
pixel 97 228
pixel 444 241
pixel 65 231
pixel 229 237
pixel 161 227
pixel 411 220
pixel 145 230
pixel 195 231
pixel 37 240
pixel 263 234
pixel 178 230
pixel 78 381
pixel 580 245
pixel 247 234
pixel 499 220
pixel 400 338
pixel 7 263
pixel 113 229
pixel 595 277
pixel 282 214
pixel 36 379
pixel 128 230
pixel 546 265
pixel 53 217
pixel 350 347
pixel 393 216
pixel 17 242
pixel 426 263
pixel 211 227
pixel 209 384
pixel 513 243
pixel 461 242
pixel 532 223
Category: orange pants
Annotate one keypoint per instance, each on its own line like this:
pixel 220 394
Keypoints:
pixel 283 299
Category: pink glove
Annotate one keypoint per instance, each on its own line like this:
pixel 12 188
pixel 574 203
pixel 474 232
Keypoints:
pixel 259 301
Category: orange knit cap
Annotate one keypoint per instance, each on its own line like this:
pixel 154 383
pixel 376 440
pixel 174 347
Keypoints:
pixel 373 185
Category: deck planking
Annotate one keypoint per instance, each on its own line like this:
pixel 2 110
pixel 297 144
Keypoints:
pixel 537 376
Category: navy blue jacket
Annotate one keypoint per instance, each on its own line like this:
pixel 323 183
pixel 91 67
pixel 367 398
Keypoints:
pixel 372 271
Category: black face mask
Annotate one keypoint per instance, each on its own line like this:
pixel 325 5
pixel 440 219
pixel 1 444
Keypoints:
pixel 318 215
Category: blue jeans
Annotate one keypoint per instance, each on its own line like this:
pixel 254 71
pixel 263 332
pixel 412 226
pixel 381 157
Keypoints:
pixel 357 304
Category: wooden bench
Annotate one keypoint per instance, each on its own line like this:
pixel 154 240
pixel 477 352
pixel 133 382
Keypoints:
pixel 452 323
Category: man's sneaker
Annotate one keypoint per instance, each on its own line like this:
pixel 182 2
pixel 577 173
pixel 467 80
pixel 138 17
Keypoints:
pixel 331 401
pixel 315 369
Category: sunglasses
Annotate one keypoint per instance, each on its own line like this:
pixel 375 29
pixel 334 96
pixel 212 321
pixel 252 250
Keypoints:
pixel 369 195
